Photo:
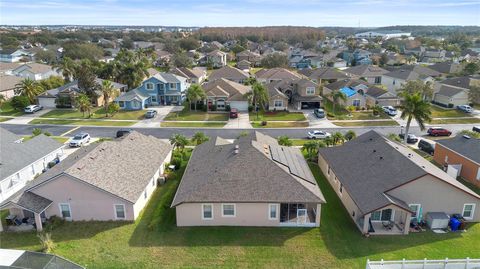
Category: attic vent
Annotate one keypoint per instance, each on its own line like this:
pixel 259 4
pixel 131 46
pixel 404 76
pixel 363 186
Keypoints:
pixel 466 136
pixel 237 146
pixel 374 150
pixel 381 157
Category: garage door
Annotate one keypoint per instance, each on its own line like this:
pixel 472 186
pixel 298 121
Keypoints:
pixel 240 105
pixel 47 102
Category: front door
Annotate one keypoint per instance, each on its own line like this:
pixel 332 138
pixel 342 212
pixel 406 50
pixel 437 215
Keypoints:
pixel 301 216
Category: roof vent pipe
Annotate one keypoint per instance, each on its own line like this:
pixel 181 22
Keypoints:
pixel 237 146
pixel 236 151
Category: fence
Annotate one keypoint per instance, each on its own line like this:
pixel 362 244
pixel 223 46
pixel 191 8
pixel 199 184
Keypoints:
pixel 425 264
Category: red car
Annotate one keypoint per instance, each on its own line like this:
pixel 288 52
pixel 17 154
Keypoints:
pixel 438 131
pixel 233 113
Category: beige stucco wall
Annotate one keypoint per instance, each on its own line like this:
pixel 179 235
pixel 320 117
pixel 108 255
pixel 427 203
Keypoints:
pixel 457 100
pixel 271 103
pixel 435 195
pixel 86 202
pixel 247 214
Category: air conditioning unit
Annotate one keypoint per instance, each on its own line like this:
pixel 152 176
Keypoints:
pixel 161 180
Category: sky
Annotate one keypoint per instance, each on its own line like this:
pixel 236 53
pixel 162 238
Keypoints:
pixel 348 13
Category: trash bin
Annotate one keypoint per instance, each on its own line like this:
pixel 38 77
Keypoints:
pixel 454 224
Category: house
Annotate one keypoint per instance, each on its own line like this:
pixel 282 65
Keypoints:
pixel 194 75
pixel 223 93
pixel 450 96
pixel 385 184
pixel 460 156
pixel 160 89
pixel 446 68
pixel 337 63
pixel 249 56
pixel 8 85
pixel 230 73
pixel 433 55
pixel 7 68
pixel 64 96
pixel 35 71
pixel 302 93
pixel 384 34
pixel 244 65
pixel 323 75
pixel 26 259
pixel 111 180
pixel 357 57
pixel 13 55
pixel 277 100
pixel 395 80
pixel 22 161
pixel 216 58
pixel 275 74
pixel 162 58
pixel 370 73
pixel 250 182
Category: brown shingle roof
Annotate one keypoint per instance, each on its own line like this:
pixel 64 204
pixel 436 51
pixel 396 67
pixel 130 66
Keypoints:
pixel 234 91
pixel 230 73
pixel 276 74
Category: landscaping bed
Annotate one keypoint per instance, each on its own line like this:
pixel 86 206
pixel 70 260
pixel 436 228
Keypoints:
pixel 82 122
pixel 192 124
pixel 277 116
pixel 196 116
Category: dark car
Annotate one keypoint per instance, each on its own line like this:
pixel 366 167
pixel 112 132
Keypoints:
pixel 233 113
pixel 438 131
pixel 411 138
pixel 150 114
pixel 319 113
pixel 476 129
pixel 425 146
pixel 123 132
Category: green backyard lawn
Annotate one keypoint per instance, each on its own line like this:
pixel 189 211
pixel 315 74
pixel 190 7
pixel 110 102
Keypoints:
pixel 81 122
pixel 438 112
pixel 455 121
pixel 2 119
pixel 97 113
pixel 277 116
pixel 186 115
pixel 154 241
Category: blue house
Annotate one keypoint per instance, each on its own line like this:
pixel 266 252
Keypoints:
pixel 160 89
pixel 357 57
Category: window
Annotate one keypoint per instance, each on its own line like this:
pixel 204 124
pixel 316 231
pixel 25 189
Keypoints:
pixel 207 211
pixel 121 103
pixel 65 211
pixel 149 86
pixel 416 210
pixel 328 170
pixel 228 210
pixel 272 211
pixel 478 174
pixel 378 80
pixel 173 85
pixel 393 82
pixel 356 103
pixel 119 211
pixel 446 158
pixel 173 98
pixel 278 103
pixel 341 188
pixel 468 211
pixel 310 90
pixel 154 98
pixel 376 215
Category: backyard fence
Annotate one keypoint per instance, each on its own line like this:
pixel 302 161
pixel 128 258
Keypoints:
pixel 425 264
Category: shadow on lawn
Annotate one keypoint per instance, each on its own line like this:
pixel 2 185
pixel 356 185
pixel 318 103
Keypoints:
pixel 345 241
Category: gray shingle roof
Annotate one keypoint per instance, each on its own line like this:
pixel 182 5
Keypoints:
pixel 215 173
pixel 323 73
pixel 8 82
pixel 366 71
pixel 16 156
pixel 462 82
pixel 370 165
pixel 131 95
pixel 234 91
pixel 470 148
pixel 450 91
pixel 73 86
pixel 229 72
pixel 30 201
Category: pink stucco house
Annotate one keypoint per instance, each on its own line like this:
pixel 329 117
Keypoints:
pixel 111 180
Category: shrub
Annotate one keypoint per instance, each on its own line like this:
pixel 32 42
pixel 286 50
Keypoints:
pixel 46 241
pixel 228 108
pixel 264 123
pixel 250 108
pixel 113 108
pixel 37 131
pixel 177 161
pixel 450 105
pixel 19 102
pixel 47 133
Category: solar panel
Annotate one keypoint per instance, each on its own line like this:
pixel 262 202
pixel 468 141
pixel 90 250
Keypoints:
pixel 294 160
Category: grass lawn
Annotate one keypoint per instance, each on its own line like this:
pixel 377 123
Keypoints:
pixel 2 119
pixel 456 121
pixel 7 110
pixel 438 112
pixel 470 185
pixel 280 124
pixel 277 116
pixel 82 122
pixel 98 113
pixel 186 115
pixel 365 123
pixel 299 142
pixel 154 240
pixel 192 124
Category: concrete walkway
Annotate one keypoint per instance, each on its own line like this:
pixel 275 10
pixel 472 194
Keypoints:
pixel 242 122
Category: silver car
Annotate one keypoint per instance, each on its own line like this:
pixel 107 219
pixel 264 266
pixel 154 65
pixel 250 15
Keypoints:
pixel 318 134
pixel 79 140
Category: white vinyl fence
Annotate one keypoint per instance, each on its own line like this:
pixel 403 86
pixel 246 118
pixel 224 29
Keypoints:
pixel 425 264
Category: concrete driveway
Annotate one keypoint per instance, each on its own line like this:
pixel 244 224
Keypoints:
pixel 242 122
pixel 162 112
pixel 315 122
pixel 26 118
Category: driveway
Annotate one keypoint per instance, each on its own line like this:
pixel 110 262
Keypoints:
pixel 315 122
pixel 242 122
pixel 26 118
pixel 162 112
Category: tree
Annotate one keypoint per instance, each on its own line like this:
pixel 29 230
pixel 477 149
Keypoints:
pixel 2 101
pixel 275 59
pixel 351 43
pixel 67 66
pixel 338 138
pixel 51 83
pixel 113 108
pixel 311 148
pixel 19 102
pixel 415 107
pixel 309 44
pixel 336 96
pixel 84 104
pixel 29 88
pixel 376 110
pixel 237 49
pixel 131 68
pixel 471 68
pixel 350 134
pixel 195 93
pixel 200 138
pixel 182 60
pixel 417 86
pixel 189 43
pixel 178 141
pixel 280 46
pixel 258 96
pixel 79 51
pixel 284 140
pixel 108 91
pixel 46 56
pixel 36 132
pixel 86 78
pixel 474 94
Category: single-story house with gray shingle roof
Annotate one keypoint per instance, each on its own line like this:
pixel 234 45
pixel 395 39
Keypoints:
pixel 251 181
pixel 450 96
pixel 21 161
pixel 8 84
pixel 111 180
pixel 223 92
pixel 385 185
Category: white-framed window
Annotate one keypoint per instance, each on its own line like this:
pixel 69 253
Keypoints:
pixel 173 98
pixel 278 103
pixel 273 211
pixel 150 86
pixel 468 211
pixel 228 210
pixel 119 211
pixel 478 174
pixel 121 103
pixel 310 90
pixel 154 98
pixel 65 211
pixel 173 85
pixel 416 209
pixel 446 158
pixel 207 211
pixel 356 102
pixel 376 215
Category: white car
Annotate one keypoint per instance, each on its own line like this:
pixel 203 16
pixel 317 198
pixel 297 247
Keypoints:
pixel 318 134
pixel 390 110
pixel 32 108
pixel 79 140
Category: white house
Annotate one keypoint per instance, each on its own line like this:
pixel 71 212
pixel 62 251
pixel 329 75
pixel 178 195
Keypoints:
pixel 384 34
pixel 35 71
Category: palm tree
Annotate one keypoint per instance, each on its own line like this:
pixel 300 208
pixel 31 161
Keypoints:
pixel 67 66
pixel 84 104
pixel 284 140
pixel 350 135
pixel 29 88
pixel 200 138
pixel 108 92
pixel 417 86
pixel 258 96
pixel 338 138
pixel 178 141
pixel 311 147
pixel 415 107
pixel 336 96
pixel 329 141
pixel 195 93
